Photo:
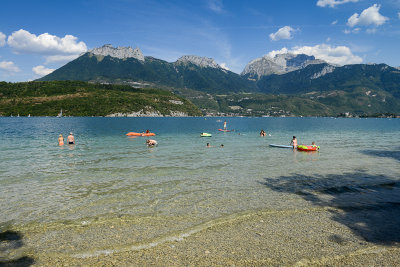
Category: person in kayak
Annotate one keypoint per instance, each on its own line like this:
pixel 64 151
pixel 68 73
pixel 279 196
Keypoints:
pixel 294 142
pixel 314 145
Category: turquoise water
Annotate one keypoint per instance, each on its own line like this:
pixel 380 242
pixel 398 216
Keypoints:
pixel 110 192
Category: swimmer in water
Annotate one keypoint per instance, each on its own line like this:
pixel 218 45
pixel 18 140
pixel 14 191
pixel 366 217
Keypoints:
pixel 151 143
pixel 60 140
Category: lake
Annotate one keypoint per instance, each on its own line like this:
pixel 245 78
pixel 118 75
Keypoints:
pixel 110 193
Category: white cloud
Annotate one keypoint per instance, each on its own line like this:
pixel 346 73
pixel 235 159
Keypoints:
pixel 339 55
pixel 371 31
pixel 2 39
pixel 42 70
pixel 333 3
pixel 369 16
pixel 224 66
pixel 398 14
pixel 216 6
pixel 25 42
pixel 273 53
pixel 283 33
pixel 8 66
pixel 355 30
pixel 334 22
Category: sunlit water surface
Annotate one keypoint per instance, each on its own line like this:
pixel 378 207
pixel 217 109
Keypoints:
pixel 110 192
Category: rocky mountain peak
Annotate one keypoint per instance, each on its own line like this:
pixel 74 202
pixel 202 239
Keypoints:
pixel 279 64
pixel 118 52
pixel 199 61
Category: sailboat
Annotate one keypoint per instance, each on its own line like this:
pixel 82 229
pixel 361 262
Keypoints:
pixel 60 114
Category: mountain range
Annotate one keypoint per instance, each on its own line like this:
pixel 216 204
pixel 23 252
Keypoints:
pixel 198 73
pixel 279 64
pixel 201 79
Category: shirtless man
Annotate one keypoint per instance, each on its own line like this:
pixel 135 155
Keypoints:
pixel 151 142
pixel 71 139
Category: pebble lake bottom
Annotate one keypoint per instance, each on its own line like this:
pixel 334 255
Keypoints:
pixel 110 200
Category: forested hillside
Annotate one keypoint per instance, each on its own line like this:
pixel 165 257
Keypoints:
pixel 77 98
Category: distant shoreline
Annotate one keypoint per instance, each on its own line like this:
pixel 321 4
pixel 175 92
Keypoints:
pixel 216 116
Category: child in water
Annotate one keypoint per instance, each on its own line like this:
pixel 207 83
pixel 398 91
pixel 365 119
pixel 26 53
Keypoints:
pixel 314 145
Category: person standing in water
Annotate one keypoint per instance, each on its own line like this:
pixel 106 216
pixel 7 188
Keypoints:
pixel 224 125
pixel 294 142
pixel 71 139
pixel 60 140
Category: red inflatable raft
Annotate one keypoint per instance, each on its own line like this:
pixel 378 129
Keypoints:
pixel 140 134
pixel 307 148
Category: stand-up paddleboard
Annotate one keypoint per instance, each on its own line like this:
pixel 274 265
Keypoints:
pixel 281 146
pixel 223 130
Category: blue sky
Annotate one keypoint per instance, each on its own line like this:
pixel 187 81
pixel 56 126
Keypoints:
pixel 37 37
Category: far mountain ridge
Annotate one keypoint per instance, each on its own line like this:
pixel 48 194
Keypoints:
pixel 128 52
pixel 203 62
pixel 254 70
pixel 193 72
pixel 279 64
pixel 119 52
pixel 356 88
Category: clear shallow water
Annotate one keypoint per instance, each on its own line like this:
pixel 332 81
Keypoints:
pixel 110 192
